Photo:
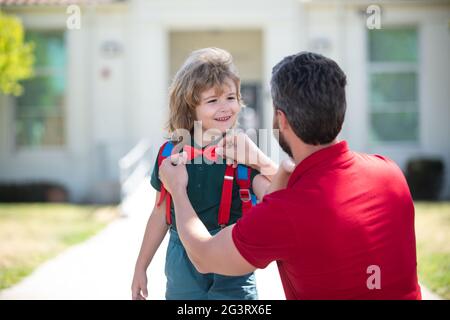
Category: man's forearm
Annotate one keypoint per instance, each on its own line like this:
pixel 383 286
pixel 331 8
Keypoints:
pixel 192 231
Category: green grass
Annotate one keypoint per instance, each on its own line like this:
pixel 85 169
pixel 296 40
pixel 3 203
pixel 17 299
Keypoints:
pixel 433 246
pixel 33 233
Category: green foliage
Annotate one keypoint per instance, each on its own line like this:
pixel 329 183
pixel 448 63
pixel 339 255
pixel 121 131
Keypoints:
pixel 16 56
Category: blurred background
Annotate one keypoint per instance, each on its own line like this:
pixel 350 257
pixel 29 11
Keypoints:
pixel 83 95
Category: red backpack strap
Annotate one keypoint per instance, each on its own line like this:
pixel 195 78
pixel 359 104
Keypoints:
pixel 243 175
pixel 227 192
pixel 164 152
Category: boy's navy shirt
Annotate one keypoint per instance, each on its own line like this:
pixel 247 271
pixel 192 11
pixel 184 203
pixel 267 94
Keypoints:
pixel 204 190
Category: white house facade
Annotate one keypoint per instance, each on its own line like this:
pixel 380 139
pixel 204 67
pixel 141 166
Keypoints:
pixel 106 83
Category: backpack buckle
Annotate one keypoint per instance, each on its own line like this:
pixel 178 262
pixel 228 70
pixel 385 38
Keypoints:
pixel 245 195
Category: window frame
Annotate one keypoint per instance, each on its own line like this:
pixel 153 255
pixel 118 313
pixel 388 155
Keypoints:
pixel 44 71
pixel 391 67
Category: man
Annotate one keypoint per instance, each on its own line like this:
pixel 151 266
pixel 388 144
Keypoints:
pixel 341 226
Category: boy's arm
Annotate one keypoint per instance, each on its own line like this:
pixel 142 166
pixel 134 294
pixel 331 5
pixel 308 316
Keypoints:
pixel 259 185
pixel 269 169
pixel 281 178
pixel 262 185
pixel 155 231
pixel 154 234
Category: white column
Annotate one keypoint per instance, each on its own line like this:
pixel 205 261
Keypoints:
pixel 356 124
pixel 281 38
pixel 434 96
pixel 147 84
pixel 79 111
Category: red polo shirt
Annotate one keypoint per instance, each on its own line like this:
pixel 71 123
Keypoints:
pixel 342 229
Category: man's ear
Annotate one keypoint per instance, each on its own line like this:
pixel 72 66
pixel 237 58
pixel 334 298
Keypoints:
pixel 283 123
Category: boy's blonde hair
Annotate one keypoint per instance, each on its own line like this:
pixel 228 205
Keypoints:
pixel 203 69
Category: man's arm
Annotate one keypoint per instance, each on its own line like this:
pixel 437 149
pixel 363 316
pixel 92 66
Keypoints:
pixel 216 254
pixel 208 253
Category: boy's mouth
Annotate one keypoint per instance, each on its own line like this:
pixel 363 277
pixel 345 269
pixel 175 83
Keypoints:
pixel 223 119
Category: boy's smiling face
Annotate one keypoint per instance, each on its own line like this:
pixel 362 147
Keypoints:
pixel 218 107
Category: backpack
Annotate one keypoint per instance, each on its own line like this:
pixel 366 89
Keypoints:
pixel 241 173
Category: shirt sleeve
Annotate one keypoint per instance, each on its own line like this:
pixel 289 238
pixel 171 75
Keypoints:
pixel 265 233
pixel 154 180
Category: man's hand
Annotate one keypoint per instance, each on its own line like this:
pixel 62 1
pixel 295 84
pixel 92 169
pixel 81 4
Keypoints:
pixel 172 172
pixel 239 148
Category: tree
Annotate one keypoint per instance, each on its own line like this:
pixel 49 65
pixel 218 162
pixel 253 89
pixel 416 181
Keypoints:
pixel 16 55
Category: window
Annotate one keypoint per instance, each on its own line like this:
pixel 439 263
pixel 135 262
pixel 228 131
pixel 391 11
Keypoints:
pixel 393 85
pixel 250 116
pixel 39 111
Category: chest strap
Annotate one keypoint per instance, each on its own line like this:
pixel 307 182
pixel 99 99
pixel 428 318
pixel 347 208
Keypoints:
pixel 164 152
pixel 227 192
pixel 243 180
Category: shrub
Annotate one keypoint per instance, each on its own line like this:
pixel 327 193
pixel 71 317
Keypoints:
pixel 33 192
pixel 425 178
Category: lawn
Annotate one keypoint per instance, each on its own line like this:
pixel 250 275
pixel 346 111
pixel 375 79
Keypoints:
pixel 433 246
pixel 33 233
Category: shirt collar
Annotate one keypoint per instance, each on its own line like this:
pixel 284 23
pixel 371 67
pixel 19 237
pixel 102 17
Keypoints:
pixel 328 154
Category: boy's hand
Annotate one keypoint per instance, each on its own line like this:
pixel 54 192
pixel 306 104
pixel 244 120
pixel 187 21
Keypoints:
pixel 172 172
pixel 139 286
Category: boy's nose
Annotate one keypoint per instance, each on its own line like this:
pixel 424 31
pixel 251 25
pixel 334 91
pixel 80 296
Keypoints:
pixel 224 105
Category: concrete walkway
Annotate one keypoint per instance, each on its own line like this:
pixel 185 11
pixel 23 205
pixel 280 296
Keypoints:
pixel 102 267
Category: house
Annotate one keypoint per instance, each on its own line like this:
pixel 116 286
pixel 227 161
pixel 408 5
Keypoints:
pixel 101 85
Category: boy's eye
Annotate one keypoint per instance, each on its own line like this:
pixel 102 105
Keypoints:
pixel 212 101
pixel 232 98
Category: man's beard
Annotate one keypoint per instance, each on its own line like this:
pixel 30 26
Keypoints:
pixel 281 141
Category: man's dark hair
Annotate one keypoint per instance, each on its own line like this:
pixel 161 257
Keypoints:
pixel 310 89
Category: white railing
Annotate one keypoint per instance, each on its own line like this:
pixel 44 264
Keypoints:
pixel 135 167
